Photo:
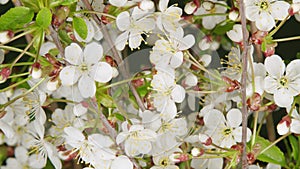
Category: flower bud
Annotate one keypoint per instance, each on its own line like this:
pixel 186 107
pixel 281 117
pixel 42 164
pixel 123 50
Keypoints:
pixel 191 80
pixel 115 72
pixel 196 152
pixel 52 85
pixel 254 102
pixel 257 37
pixel 234 14
pixel 205 139
pixel 4 74
pixel 294 9
pixel 6 36
pixel 284 125
pixel 146 5
pixel 207 5
pixel 178 157
pixel 60 16
pixel 190 8
pixel 36 71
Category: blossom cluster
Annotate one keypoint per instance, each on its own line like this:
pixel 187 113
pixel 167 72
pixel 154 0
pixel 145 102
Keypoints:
pixel 183 110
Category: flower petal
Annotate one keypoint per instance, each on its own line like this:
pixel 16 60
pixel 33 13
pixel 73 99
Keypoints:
pixel 265 22
pixel 237 133
pixel 234 117
pixel 102 72
pixel 123 21
pixel 121 40
pixel 86 86
pixel 69 75
pixel 92 53
pixel 73 54
pixel 275 66
pixel 279 10
pixel 121 162
pixel 118 3
pixel 178 94
pixel 176 60
pixel 187 42
pixel 213 118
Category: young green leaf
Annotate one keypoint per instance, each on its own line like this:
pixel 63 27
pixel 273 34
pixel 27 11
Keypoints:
pixel 16 18
pixel 32 4
pixel 44 18
pixel 295 147
pixel 272 155
pixel 80 27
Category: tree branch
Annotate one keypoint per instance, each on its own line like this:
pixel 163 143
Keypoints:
pixel 243 82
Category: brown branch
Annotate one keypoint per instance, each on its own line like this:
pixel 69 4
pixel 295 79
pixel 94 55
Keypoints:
pixel 54 35
pixel 243 83
pixel 124 72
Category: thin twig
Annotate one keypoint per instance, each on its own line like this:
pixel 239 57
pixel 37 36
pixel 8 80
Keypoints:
pixel 243 82
pixel 54 35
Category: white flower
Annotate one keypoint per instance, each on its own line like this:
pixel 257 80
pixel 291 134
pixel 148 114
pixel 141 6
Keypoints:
pixel 22 160
pixel 121 162
pixel 210 7
pixel 137 139
pixel 213 163
pixel 265 12
pixel 286 85
pixel 132 28
pixel 167 92
pixel 118 3
pixel 85 68
pixel 168 19
pixel 225 133
pixel 4 36
pixel 169 52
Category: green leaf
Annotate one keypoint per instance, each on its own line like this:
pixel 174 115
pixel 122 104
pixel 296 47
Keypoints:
pixel 295 147
pixel 3 153
pixel 106 100
pixel 32 4
pixel 80 27
pixel 68 2
pixel 16 18
pixel 44 18
pixel 272 155
pixel 64 37
pixel 119 117
pixel 222 29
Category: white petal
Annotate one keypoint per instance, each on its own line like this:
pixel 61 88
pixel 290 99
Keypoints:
pixel 279 9
pixel 265 22
pixel 283 98
pixel 55 161
pixel 92 53
pixel 176 60
pixel 102 72
pixel 135 39
pixel 121 40
pixel 21 154
pixel 100 140
pixel 270 84
pixel 295 126
pixel 215 163
pixel 73 54
pixel 213 118
pixel 121 137
pixel 118 3
pixel 122 162
pixel 37 161
pixel 187 42
pixel 6 129
pixel 273 166
pixel 275 66
pixel 293 68
pixel 163 5
pixel 234 117
pixel 252 13
pixel 178 94
pixel 237 133
pixel 69 75
pixel 86 86
pixel 79 110
pixel 123 21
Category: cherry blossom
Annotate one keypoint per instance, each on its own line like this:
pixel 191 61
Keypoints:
pixel 86 68
pixel 282 82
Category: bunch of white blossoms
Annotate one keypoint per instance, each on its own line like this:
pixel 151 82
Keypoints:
pixel 186 110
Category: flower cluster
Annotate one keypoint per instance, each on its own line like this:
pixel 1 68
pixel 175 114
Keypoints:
pixel 186 107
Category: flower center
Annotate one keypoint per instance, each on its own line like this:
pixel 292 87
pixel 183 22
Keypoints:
pixel 83 67
pixel 227 131
pixel 283 81
pixel 264 5
pixel 164 162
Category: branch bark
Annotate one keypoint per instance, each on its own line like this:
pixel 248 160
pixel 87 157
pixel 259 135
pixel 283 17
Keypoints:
pixel 243 82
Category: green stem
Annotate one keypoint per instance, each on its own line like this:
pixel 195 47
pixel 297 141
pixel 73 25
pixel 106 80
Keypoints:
pixel 279 26
pixel 15 84
pixel 19 75
pixel 20 35
pixel 286 39
pixel 10 48
pixel 275 142
pixel 210 14
pixel 17 64
pixel 254 128
pixel 123 81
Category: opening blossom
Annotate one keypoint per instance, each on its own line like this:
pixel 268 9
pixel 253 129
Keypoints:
pixel 225 132
pixel 283 82
pixel 265 12
pixel 85 68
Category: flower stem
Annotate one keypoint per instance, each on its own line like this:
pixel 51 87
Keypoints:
pixel 20 35
pixel 10 48
pixel 286 39
pixel 15 84
pixel 19 75
pixel 279 26
pixel 57 42
pixel 98 13
pixel 254 128
pixel 17 64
